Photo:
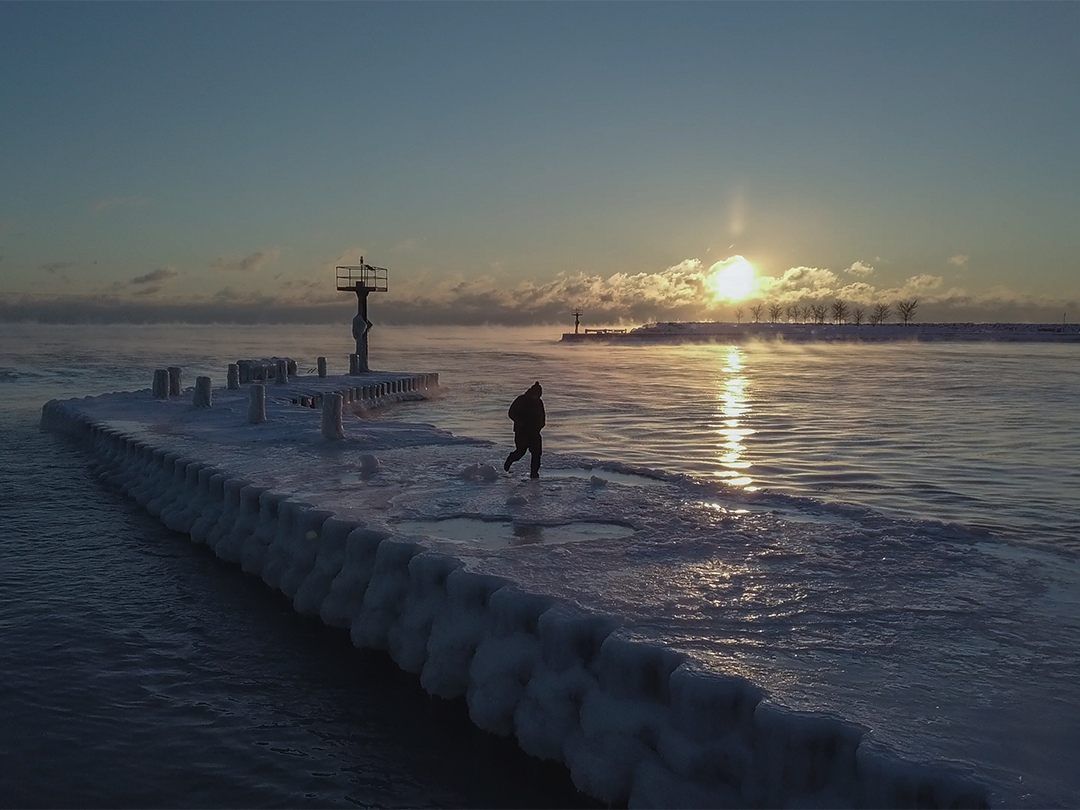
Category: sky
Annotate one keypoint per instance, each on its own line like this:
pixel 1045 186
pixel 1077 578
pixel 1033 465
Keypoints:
pixel 512 161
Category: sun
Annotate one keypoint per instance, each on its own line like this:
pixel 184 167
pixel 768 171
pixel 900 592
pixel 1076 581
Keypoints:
pixel 734 279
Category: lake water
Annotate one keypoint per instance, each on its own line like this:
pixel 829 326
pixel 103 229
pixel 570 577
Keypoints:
pixel 143 671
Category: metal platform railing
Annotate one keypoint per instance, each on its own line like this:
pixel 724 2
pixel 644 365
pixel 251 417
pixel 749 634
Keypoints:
pixel 362 277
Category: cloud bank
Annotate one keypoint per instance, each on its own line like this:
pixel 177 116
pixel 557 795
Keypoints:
pixel 679 292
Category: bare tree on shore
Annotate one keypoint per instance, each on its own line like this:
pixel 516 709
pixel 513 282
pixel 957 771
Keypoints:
pixel 755 310
pixel 793 313
pixel 906 309
pixel 808 314
pixel 881 314
pixel 738 314
pixel 820 311
pixel 858 316
pixel 839 311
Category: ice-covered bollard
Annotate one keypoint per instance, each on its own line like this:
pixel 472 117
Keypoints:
pixel 245 371
pixel 290 366
pixel 161 383
pixel 332 427
pixel 369 465
pixel 281 372
pixel 354 364
pixel 203 397
pixel 257 404
pixel 322 366
pixel 175 373
pixel 233 377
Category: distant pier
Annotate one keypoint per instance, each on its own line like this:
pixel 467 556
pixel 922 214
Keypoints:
pixel 705 332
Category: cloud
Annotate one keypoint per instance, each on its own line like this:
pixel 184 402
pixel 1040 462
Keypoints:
pixel 959 260
pixel 797 283
pixel 861 269
pixel 154 276
pixel 923 283
pixel 251 263
pixel 55 267
pixel 109 203
pixel 678 292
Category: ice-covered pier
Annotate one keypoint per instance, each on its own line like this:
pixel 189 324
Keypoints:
pixel 492 589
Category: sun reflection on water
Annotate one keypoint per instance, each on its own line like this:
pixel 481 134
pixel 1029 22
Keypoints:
pixel 734 406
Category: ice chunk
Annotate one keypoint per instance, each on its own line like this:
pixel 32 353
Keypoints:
pixel 479 472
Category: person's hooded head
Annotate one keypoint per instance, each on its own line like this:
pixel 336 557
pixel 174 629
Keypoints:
pixel 535 390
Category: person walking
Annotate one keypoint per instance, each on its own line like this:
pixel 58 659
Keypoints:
pixel 527 411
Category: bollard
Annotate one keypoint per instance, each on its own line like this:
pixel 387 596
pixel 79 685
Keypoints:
pixel 175 373
pixel 322 366
pixel 354 364
pixel 245 371
pixel 257 404
pixel 161 383
pixel 332 427
pixel 281 372
pixel 233 377
pixel 290 366
pixel 203 397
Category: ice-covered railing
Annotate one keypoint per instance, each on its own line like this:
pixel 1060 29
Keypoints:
pixel 634 722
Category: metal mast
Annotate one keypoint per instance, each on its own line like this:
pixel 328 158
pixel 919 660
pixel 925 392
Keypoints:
pixel 363 279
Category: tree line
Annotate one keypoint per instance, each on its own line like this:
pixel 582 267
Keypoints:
pixel 838 312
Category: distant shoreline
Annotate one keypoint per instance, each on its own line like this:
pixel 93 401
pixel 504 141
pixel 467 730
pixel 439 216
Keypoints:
pixel 705 332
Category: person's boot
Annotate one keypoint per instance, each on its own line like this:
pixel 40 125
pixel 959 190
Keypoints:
pixel 534 474
pixel 507 463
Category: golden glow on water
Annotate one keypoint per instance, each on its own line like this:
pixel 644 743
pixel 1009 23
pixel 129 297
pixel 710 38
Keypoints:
pixel 734 406
pixel 734 279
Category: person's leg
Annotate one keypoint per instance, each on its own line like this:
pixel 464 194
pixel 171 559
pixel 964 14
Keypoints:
pixel 536 448
pixel 521 447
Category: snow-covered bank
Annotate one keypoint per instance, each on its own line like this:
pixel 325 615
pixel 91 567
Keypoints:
pixel 735 332
pixel 634 720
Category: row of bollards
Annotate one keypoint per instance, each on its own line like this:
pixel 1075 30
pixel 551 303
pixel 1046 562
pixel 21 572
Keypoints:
pixel 167 383
pixel 252 371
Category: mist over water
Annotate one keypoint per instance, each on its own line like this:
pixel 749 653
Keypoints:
pixel 980 434
pixel 133 646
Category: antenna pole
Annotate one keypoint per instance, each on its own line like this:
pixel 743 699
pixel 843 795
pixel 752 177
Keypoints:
pixel 577 319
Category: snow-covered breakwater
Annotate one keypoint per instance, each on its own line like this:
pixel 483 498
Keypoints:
pixel 634 722
pixel 720 332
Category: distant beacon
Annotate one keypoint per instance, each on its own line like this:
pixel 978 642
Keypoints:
pixel 361 279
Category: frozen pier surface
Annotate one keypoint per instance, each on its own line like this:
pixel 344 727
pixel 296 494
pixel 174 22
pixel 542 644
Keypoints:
pixel 596 616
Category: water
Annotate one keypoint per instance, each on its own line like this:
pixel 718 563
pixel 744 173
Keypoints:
pixel 134 647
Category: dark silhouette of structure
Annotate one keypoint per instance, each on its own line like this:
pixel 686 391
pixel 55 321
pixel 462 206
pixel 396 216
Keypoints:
pixel 361 279
pixel 527 411
pixel 577 319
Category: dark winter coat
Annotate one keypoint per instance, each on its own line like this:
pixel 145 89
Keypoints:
pixel 527 411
